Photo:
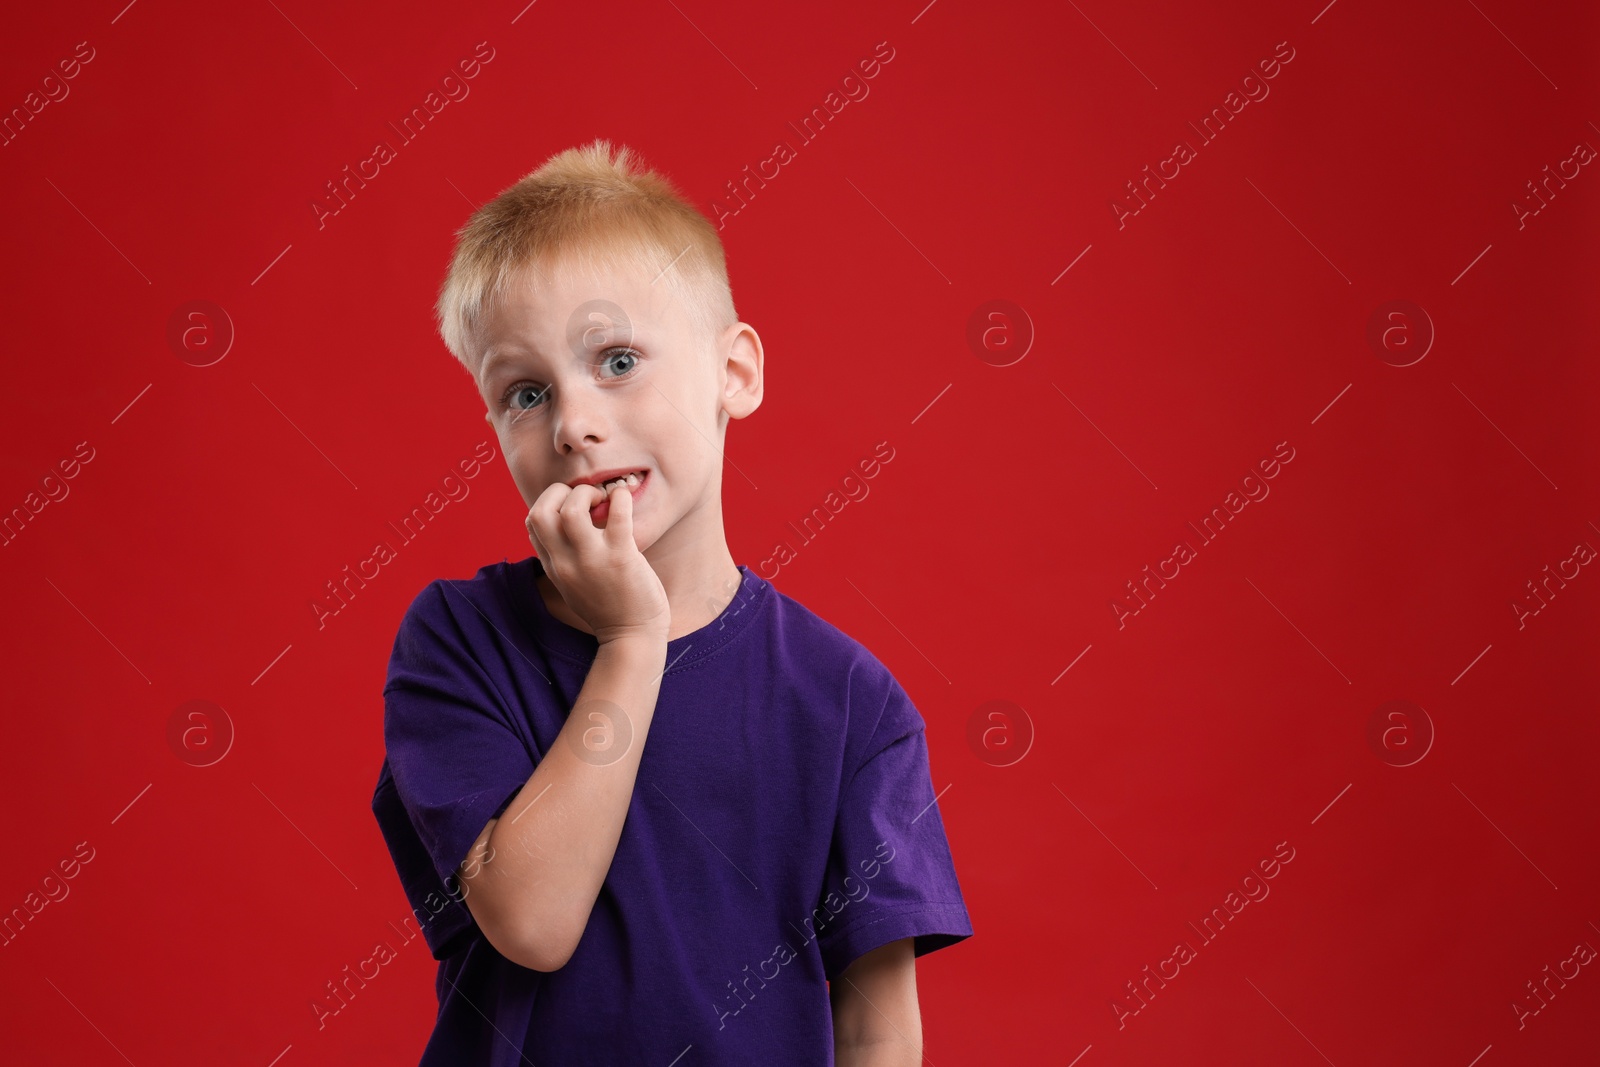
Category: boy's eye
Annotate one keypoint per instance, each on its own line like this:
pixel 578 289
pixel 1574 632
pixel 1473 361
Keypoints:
pixel 525 396
pixel 627 354
pixel 533 394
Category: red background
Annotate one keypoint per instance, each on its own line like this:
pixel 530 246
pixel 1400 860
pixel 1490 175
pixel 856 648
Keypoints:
pixel 1230 314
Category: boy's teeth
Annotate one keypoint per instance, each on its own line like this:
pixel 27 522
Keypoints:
pixel 631 479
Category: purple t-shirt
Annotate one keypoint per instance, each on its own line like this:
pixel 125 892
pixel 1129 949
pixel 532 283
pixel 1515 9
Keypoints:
pixel 782 824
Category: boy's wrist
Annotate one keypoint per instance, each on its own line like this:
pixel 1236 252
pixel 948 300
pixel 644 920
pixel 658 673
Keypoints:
pixel 651 639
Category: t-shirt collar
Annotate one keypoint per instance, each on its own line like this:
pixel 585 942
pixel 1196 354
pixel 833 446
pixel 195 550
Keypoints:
pixel 575 644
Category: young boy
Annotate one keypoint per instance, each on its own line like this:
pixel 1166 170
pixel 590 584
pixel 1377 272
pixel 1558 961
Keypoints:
pixel 747 881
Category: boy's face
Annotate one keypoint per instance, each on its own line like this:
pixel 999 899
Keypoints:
pixel 608 373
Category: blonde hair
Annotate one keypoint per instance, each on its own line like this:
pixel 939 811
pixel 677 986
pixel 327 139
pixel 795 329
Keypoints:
pixel 591 209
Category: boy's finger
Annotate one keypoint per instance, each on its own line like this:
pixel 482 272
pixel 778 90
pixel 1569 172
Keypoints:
pixel 533 537
pixel 550 519
pixel 544 515
pixel 576 524
pixel 619 519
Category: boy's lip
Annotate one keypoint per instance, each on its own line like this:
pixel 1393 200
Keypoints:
pixel 604 476
pixel 601 510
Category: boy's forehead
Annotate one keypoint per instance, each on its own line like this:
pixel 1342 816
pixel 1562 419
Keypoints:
pixel 554 302
pixel 573 310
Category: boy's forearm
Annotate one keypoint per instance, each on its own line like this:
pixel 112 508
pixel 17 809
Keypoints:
pixel 890 1052
pixel 537 870
pixel 877 1021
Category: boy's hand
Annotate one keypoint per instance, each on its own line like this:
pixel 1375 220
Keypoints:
pixel 601 574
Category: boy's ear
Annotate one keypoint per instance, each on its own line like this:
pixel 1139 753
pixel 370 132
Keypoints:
pixel 744 370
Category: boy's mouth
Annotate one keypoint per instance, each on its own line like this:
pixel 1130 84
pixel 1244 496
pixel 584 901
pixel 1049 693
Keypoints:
pixel 633 478
pixel 635 482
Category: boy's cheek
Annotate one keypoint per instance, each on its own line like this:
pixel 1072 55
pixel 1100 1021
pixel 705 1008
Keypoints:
pixel 530 487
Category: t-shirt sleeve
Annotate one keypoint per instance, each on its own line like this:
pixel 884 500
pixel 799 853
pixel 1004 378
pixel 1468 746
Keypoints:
pixel 890 874
pixel 454 757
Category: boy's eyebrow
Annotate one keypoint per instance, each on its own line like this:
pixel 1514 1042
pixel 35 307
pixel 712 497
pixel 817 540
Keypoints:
pixel 495 357
pixel 497 360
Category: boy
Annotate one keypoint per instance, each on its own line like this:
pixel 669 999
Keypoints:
pixel 747 881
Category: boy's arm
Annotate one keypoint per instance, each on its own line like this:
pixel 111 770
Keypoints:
pixel 876 1019
pixel 533 875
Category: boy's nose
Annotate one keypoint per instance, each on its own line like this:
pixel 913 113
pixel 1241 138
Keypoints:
pixel 580 422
